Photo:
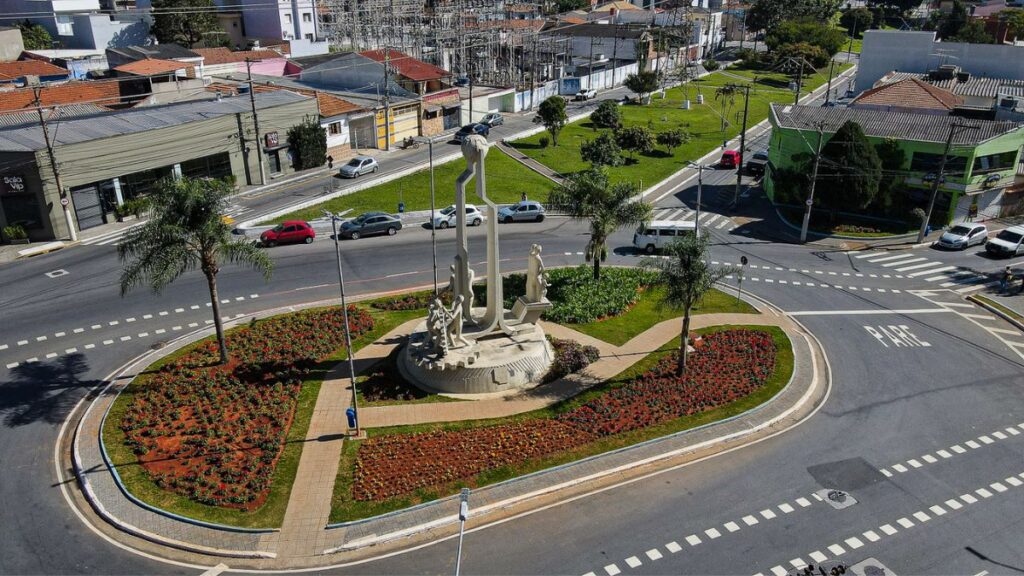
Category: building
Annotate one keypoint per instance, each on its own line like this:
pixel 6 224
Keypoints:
pixel 126 54
pixel 908 95
pixel 982 168
pixel 983 97
pixel 442 105
pixel 217 61
pixel 151 82
pixel 102 93
pixel 23 72
pixel 82 24
pixel 11 43
pixel 78 63
pixel 107 158
pixel 295 20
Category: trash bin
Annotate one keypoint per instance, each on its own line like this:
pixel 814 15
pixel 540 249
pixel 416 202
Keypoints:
pixel 401 207
pixel 351 415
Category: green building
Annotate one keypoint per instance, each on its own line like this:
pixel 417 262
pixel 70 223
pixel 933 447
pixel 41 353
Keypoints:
pixel 983 169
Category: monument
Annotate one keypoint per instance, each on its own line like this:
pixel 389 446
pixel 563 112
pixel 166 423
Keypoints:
pixel 462 349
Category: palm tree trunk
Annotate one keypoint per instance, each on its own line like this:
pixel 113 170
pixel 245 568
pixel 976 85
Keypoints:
pixel 684 342
pixel 211 280
pixel 597 265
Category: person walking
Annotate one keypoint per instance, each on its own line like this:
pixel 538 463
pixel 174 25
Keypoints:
pixel 1007 280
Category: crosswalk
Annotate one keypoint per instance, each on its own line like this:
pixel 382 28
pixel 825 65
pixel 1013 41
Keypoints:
pixel 708 220
pixel 113 238
pixel 915 266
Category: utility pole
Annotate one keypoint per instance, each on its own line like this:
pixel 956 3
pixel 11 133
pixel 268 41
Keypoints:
pixel 615 53
pixel 810 197
pixel 799 80
pixel 828 90
pixel 387 99
pixel 64 200
pixel 590 66
pixel 743 144
pixel 255 123
pixel 953 129
pixel 849 48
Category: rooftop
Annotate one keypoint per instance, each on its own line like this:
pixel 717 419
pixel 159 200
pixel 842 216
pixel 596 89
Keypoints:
pixel 599 31
pixel 214 56
pixel 883 124
pixel 16 118
pixel 22 68
pixel 368 100
pixel 330 104
pixel 977 86
pixel 617 5
pixel 910 93
pixel 150 67
pixel 99 92
pixel 159 51
pixel 411 68
pixel 68 54
pixel 28 137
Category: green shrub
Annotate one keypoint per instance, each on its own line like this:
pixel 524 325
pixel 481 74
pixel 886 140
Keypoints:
pixel 544 141
pixel 15 232
pixel 135 207
pixel 710 65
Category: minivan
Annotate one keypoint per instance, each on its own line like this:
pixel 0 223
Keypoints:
pixel 657 234
pixel 1009 242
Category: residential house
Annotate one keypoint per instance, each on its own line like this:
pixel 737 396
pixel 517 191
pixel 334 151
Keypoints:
pixel 442 105
pixel 909 95
pixel 153 81
pixel 217 61
pixel 297 21
pixel 981 170
pixel 103 93
pixel 81 24
pixel 79 63
pixel 23 72
pixel 191 60
pixel 982 97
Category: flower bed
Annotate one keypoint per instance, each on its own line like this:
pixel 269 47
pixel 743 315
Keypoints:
pixel 214 433
pixel 570 357
pixel 728 366
pixel 416 301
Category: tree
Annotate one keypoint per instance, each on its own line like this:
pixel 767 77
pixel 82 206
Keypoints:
pixel 686 277
pixel 673 139
pixel 812 56
pixel 635 139
pixel 814 33
pixel 308 141
pixel 856 21
pixel 726 95
pixel 1014 20
pixel 642 83
pixel 185 22
pixel 766 15
pixel 607 115
pixel 891 158
pixel 589 196
pixel 972 32
pixel 185 232
pixel 35 37
pixel 602 151
pixel 551 113
pixel 849 170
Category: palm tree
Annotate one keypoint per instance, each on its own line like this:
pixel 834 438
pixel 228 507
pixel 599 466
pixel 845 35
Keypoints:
pixel 726 94
pixel 686 278
pixel 589 196
pixel 186 232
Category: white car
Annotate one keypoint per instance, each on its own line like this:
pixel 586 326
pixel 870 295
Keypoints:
pixel 447 217
pixel 963 236
pixel 1009 242
pixel 586 94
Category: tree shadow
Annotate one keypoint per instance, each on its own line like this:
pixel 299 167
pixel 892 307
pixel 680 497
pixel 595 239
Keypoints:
pixel 44 391
pixel 656 153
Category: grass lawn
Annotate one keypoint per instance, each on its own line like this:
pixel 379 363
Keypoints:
pixel 857 42
pixel 344 508
pixel 271 514
pixel 662 114
pixel 846 225
pixel 649 311
pixel 506 181
pixel 1011 313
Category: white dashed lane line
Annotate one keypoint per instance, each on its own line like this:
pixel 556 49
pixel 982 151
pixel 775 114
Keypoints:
pixel 947 453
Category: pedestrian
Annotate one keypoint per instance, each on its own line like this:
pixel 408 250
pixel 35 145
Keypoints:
pixel 523 197
pixel 330 162
pixel 972 212
pixel 1007 280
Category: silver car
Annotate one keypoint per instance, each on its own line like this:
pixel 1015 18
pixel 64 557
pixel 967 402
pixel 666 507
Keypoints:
pixel 525 211
pixel 963 236
pixel 447 216
pixel 358 166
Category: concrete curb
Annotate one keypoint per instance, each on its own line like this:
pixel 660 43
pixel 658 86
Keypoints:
pixel 1013 321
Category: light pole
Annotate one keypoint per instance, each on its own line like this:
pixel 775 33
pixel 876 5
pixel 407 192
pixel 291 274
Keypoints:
pixel 463 513
pixel 433 228
pixel 700 192
pixel 344 311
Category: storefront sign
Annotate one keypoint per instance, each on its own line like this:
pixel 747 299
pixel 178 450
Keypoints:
pixel 12 184
pixel 271 140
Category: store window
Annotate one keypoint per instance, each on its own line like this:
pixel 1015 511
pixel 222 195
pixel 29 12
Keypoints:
pixel 994 162
pixel 927 162
pixel 216 166
pixel 334 128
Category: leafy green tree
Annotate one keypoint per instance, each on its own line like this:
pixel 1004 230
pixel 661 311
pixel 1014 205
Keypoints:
pixel 673 139
pixel 308 141
pixel 570 5
pixel 891 158
pixel 856 21
pixel 635 139
pixel 899 7
pixel 185 22
pixel 642 84
pixel 686 278
pixel 589 196
pixel 710 65
pixel 849 170
pixel 767 15
pixel 812 56
pixel 972 32
pixel 726 96
pixel 1014 20
pixel 34 36
pixel 551 113
pixel 812 32
pixel 607 115
pixel 602 151
pixel 186 232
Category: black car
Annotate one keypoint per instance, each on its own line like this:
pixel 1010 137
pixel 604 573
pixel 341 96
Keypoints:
pixel 757 164
pixel 370 223
pixel 469 129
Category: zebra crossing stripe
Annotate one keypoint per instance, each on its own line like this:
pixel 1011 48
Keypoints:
pixel 901 262
pixel 887 258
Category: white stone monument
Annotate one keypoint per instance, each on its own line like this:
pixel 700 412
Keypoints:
pixel 464 350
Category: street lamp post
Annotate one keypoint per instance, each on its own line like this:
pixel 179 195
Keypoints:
pixel 463 514
pixel 700 193
pixel 344 311
pixel 433 229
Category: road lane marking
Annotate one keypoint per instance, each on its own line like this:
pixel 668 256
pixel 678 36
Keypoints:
pixel 868 312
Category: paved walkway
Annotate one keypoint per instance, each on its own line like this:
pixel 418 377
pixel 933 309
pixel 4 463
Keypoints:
pixel 529 162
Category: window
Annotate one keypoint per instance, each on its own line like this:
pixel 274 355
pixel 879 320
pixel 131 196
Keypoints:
pixel 334 128
pixel 927 162
pixel 287 18
pixel 65 25
pixel 309 37
pixel 307 17
pixel 994 162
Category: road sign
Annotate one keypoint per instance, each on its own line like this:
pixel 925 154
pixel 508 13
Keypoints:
pixel 809 202
pixel 743 260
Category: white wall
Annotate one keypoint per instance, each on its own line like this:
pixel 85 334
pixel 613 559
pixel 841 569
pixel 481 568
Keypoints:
pixel 340 138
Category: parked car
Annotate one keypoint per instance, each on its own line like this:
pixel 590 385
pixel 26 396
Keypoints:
pixel 1009 242
pixel 493 119
pixel 730 159
pixel 447 217
pixel 358 166
pixel 469 129
pixel 757 163
pixel 654 235
pixel 371 223
pixel 963 236
pixel 586 94
pixel 290 232
pixel 525 211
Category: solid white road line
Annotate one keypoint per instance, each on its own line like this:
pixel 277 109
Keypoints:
pixel 867 312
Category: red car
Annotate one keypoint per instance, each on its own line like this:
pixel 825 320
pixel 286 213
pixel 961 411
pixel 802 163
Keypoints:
pixel 292 231
pixel 730 159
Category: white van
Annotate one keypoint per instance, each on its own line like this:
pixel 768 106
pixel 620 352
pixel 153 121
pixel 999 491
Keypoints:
pixel 657 234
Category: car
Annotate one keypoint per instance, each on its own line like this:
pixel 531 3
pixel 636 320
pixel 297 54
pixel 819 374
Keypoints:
pixel 525 211
pixel 447 217
pixel 358 166
pixel 493 119
pixel 730 159
pixel 469 129
pixel 586 94
pixel 963 236
pixel 1009 242
pixel 369 224
pixel 288 232
pixel 757 164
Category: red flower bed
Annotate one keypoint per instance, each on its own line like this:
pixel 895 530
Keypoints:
pixel 214 433
pixel 729 365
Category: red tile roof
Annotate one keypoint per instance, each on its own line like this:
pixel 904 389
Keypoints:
pixel 101 93
pixel 910 93
pixel 411 68
pixel 151 67
pixel 214 56
pixel 22 68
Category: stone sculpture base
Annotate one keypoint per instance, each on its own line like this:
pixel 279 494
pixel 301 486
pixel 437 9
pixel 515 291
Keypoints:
pixel 495 363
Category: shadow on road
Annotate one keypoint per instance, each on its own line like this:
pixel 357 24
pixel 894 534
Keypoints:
pixel 43 391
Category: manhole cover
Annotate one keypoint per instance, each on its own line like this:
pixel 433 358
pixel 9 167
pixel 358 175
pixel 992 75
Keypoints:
pixel 158 345
pixel 871 567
